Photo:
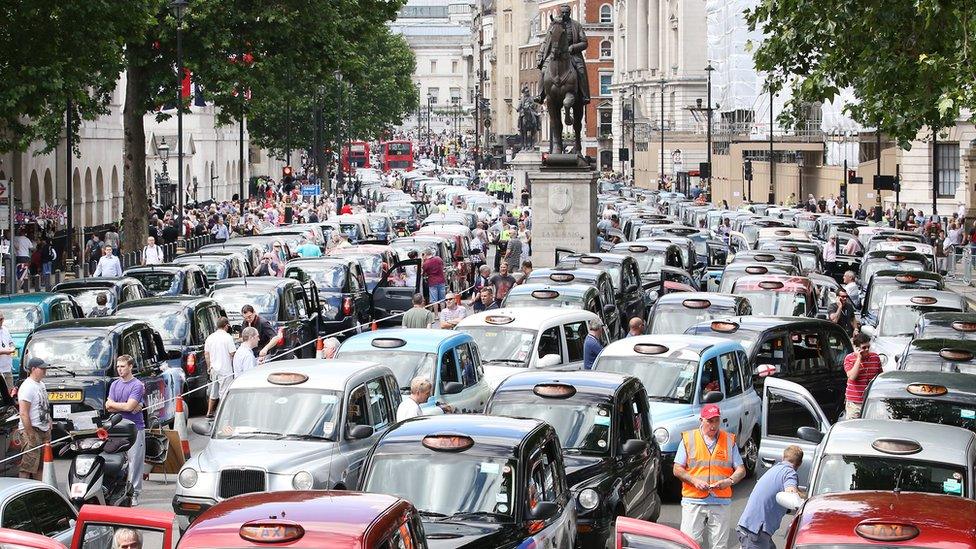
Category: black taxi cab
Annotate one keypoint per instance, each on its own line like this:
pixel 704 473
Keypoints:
pixel 477 482
pixel 624 273
pixel 885 281
pixel 612 461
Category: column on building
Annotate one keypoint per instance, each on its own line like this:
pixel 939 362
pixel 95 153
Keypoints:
pixel 652 37
pixel 637 34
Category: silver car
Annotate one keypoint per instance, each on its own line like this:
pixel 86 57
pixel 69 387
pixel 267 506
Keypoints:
pixel 899 313
pixel 36 507
pixel 296 425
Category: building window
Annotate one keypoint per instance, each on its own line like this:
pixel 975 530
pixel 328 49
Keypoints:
pixel 454 67
pixel 606 13
pixel 606 50
pixel 947 155
pixel 433 92
pixel 433 67
pixel 605 80
pixel 508 87
pixel 455 95
pixel 606 122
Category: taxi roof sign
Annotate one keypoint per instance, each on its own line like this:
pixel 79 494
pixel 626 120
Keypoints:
pixel 756 269
pixel 650 349
pixel 724 326
pixel 271 531
pixel 764 257
pixel 926 389
pixel 696 303
pixel 886 531
pixel 897 446
pixel 637 248
pixel 554 390
pixel 962 326
pixel 895 257
pixel 499 319
pixel 562 277
pixel 388 342
pixel 287 378
pixel 448 443
pixel 906 278
pixel 545 294
pixel 590 260
pixel 771 285
pixel 956 355
pixel 924 300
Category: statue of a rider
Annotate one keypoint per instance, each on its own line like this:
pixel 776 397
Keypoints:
pixel 577 45
pixel 528 120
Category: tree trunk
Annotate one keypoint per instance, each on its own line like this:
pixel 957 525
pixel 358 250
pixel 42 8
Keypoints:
pixel 135 202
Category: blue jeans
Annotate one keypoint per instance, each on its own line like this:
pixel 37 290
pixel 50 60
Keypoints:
pixel 437 292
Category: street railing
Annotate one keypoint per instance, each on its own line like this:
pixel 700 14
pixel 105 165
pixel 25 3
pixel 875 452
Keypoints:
pixel 959 264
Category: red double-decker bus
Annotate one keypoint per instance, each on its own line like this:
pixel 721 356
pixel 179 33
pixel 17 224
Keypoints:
pixel 397 155
pixel 355 155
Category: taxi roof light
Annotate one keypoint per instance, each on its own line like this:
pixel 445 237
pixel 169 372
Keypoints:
pixel 782 232
pixel 562 277
pixel 499 319
pixel 590 260
pixel 896 446
pixel 959 355
pixel 545 294
pixel 696 303
pixel 895 257
pixel 926 389
pixel 756 269
pixel 789 249
pixel 906 278
pixel 448 443
pixel 554 390
pixel 287 378
pixel 724 327
pixel 650 349
pixel 387 342
pixel 637 248
pixel 963 326
pixel 771 285
pixel 906 248
pixel 271 531
pixel 886 531
pixel 924 300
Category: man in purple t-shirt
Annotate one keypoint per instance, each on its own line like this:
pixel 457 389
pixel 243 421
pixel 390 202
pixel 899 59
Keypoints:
pixel 125 397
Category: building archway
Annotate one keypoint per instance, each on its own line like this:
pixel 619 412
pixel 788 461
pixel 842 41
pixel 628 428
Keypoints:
pixel 99 200
pixel 76 219
pixel 35 193
pixel 116 195
pixel 49 196
pixel 86 202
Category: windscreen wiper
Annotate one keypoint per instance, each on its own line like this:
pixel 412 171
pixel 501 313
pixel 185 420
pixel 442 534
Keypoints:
pixel 478 514
pixel 62 369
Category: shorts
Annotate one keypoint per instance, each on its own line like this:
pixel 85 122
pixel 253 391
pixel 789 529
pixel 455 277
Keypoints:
pixel 31 462
pixel 215 389
pixel 437 292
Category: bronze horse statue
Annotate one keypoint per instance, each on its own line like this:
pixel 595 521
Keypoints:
pixel 559 80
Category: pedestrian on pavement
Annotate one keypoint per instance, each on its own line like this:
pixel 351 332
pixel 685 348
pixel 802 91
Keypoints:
pixel 502 282
pixel 35 418
pixel 218 350
pixel 452 313
pixel 152 253
pixel 513 252
pixel 22 247
pixel 125 397
pixel 244 358
pixel 637 327
pixel 109 264
pixel 481 280
pixel 854 246
pixel 101 306
pixel 841 312
pixel 593 344
pixel 7 351
pixel 418 316
pixel 267 336
pixel 861 366
pixel 853 290
pixel 433 270
pixel 112 238
pixel 485 301
pixel 219 231
pixel 708 464
pixel 762 515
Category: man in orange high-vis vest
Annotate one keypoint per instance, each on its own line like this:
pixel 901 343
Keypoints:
pixel 708 464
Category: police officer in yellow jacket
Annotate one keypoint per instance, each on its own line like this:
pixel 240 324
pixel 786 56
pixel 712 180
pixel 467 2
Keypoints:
pixel 708 464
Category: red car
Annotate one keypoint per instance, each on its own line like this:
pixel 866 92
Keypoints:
pixel 848 519
pixel 310 519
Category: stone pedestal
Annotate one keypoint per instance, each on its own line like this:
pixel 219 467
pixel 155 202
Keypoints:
pixel 523 163
pixel 563 212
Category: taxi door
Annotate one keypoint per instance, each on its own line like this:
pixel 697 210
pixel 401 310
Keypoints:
pixel 789 411
pixel 460 383
pixel 638 534
pixel 391 294
pixel 98 524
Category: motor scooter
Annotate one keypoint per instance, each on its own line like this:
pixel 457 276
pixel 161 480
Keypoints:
pixel 99 472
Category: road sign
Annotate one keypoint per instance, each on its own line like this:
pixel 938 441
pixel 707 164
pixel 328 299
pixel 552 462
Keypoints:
pixel 311 190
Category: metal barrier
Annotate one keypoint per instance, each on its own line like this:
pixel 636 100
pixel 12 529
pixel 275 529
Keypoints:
pixel 959 264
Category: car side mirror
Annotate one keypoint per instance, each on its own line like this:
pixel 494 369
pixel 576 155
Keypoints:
pixel 810 434
pixel 634 447
pixel 544 511
pixel 204 428
pixel 174 355
pixel 452 388
pixel 548 361
pixel 789 500
pixel 766 370
pixel 713 397
pixel 868 331
pixel 360 432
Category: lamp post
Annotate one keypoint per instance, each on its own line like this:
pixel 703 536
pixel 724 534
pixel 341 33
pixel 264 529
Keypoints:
pixel 660 182
pixel 799 171
pixel 633 132
pixel 179 7
pixel 339 139
pixel 708 134
pixel 162 179
pixel 772 166
pixel 430 108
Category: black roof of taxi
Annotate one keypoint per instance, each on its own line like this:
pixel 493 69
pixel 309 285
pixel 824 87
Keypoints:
pixel 98 324
pixel 604 384
pixel 763 323
pixel 492 435
pixel 715 299
pixel 255 281
pixel 94 282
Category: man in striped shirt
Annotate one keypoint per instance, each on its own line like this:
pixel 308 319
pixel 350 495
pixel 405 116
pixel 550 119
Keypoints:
pixel 861 366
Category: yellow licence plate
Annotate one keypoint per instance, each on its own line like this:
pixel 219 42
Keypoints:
pixel 64 396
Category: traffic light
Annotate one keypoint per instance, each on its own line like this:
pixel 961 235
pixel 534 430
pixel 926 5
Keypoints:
pixel 851 174
pixel 286 173
pixel 748 170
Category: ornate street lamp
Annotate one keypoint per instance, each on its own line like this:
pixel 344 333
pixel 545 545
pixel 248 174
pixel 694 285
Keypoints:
pixel 179 8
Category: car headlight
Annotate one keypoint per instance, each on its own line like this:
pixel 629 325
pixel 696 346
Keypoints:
pixel 83 464
pixel 588 499
pixel 188 477
pixel 302 481
pixel 661 435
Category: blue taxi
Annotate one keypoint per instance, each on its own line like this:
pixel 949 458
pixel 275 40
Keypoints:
pixel 681 374
pixel 449 359
pixel 478 482
pixel 23 313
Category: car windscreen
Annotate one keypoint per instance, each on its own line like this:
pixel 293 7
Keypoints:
pixel 609 268
pixel 899 320
pixel 234 298
pixel 156 283
pixel 448 483
pixel 328 278
pixel 351 230
pixel 406 365
pixel 885 265
pixel 85 297
pixel 501 344
pixel 215 270
pixel 669 379
pixel 20 318
pixel 278 413
pixel 74 353
pixel 929 410
pixel 379 223
pixel 526 300
pixel 840 473
pixel 745 337
pixel 171 324
pixel 676 319
pixel 649 263
pixel 880 288
pixel 581 425
pixel 765 302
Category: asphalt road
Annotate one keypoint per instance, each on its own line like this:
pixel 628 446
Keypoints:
pixel 159 489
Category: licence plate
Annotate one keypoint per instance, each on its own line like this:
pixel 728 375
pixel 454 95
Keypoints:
pixel 64 396
pixel 61 411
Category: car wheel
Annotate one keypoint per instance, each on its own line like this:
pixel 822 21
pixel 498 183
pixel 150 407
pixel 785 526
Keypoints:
pixel 750 454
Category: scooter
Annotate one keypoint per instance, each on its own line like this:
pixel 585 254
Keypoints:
pixel 99 472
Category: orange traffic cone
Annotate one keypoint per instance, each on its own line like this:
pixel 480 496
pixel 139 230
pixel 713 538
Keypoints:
pixel 179 422
pixel 48 475
pixel 374 326
pixel 320 348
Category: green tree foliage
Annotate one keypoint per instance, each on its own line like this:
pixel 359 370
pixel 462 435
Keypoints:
pixel 908 63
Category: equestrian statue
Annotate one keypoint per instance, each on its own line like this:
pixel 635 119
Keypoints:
pixel 564 82
pixel 528 121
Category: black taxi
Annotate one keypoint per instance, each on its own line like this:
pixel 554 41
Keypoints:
pixel 477 482
pixel 624 273
pixel 343 296
pixel 887 280
pixel 171 279
pixel 612 461
pixel 116 290
pixel 81 355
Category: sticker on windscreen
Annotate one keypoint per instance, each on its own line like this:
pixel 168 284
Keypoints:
pixel 281 400
pixel 967 414
pixel 601 420
pixel 501 498
pixel 952 486
pixel 489 468
pixel 521 355
pixel 328 399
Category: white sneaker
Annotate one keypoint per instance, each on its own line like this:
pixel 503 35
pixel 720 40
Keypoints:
pixel 135 501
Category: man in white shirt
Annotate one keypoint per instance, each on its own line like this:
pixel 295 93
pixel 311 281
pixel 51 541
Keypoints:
pixel 218 349
pixel 7 350
pixel 152 254
pixel 35 418
pixel 853 290
pixel 420 391
pixel 108 264
pixel 22 248
pixel 453 313
pixel 244 358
